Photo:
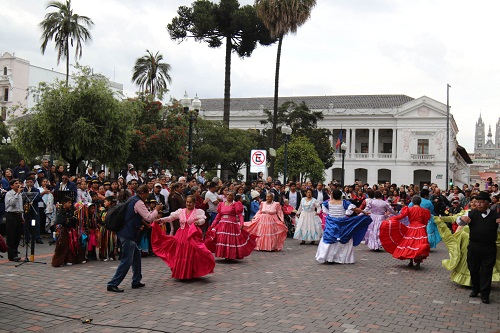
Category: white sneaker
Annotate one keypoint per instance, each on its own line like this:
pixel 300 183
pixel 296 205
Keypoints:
pixel 68 264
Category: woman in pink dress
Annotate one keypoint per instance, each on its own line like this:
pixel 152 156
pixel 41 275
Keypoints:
pixel 268 226
pixel 185 253
pixel 227 238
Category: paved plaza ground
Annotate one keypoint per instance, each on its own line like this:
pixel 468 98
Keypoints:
pixel 267 292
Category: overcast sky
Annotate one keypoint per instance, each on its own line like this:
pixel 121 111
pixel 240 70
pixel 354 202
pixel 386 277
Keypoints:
pixel 348 47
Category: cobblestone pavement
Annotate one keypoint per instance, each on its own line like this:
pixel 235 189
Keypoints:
pixel 267 292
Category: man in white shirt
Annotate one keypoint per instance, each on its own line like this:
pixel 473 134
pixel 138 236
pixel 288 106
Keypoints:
pixel 213 202
pixel 132 174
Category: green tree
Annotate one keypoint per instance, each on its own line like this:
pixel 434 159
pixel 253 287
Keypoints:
pixel 9 156
pixel 303 161
pixel 282 17
pixel 80 122
pixel 151 74
pixel 303 122
pixel 159 135
pixel 65 28
pixel 216 145
pixel 215 24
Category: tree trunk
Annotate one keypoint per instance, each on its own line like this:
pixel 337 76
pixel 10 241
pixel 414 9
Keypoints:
pixel 227 82
pixel 275 106
pixel 67 60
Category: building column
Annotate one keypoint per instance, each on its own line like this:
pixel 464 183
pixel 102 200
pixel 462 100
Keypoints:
pixel 347 140
pixel 370 143
pixel 376 150
pixel 352 146
pixel 394 143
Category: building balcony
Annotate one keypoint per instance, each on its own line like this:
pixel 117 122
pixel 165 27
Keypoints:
pixel 422 159
pixel 364 156
pixel 5 80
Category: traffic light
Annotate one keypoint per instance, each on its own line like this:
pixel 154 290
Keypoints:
pixel 451 182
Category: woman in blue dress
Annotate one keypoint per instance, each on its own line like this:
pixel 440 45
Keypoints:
pixel 341 233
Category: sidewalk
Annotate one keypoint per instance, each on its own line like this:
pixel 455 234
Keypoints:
pixel 266 292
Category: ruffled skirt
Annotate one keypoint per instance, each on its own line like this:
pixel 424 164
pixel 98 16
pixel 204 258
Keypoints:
pixel 457 244
pixel 340 237
pixel 308 227
pixel 372 236
pixel 229 241
pixel 185 253
pixel 404 242
pixel 269 230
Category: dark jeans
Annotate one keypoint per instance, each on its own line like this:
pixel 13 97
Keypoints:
pixel 14 227
pixel 130 256
pixel 480 260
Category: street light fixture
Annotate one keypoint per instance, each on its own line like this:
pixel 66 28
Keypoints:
pixel 6 140
pixel 191 108
pixel 287 130
pixel 343 148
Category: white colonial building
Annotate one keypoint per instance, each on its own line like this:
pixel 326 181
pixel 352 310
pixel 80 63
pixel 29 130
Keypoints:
pixel 17 75
pixel 393 138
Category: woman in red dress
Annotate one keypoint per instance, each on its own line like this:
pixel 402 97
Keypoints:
pixel 227 238
pixel 407 242
pixel 185 253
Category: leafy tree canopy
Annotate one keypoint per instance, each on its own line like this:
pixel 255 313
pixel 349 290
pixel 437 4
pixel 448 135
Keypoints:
pixel 216 23
pixel 159 136
pixel 303 122
pixel 303 161
pixel 216 145
pixel 84 121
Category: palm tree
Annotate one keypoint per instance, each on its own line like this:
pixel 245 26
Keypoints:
pixel 65 28
pixel 151 75
pixel 281 17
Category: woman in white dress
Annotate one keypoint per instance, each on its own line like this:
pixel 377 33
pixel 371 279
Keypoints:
pixel 308 224
pixel 341 233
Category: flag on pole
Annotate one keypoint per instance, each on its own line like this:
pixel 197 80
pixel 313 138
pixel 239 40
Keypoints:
pixel 339 141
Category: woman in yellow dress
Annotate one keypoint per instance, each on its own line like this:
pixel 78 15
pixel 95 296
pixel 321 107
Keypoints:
pixel 457 244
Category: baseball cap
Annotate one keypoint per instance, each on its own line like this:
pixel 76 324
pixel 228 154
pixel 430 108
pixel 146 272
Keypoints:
pixel 157 184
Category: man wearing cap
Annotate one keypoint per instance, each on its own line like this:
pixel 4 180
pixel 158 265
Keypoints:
pixel 132 174
pixel 90 174
pixel 481 255
pixel 160 198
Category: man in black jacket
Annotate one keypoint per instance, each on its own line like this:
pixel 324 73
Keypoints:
pixel 482 249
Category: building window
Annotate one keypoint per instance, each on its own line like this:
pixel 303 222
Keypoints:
pixel 479 145
pixel 423 146
pixel 5 70
pixel 6 95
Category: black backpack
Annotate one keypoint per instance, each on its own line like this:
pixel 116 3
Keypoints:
pixel 115 217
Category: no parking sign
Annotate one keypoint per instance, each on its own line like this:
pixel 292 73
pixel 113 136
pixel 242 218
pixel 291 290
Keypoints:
pixel 258 159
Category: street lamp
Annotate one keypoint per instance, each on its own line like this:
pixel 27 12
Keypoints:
pixel 287 130
pixel 5 141
pixel 191 108
pixel 343 148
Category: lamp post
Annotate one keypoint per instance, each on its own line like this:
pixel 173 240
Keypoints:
pixel 5 141
pixel 191 108
pixel 343 148
pixel 287 130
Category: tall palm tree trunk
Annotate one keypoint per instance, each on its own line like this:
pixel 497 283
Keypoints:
pixel 227 82
pixel 67 60
pixel 275 106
